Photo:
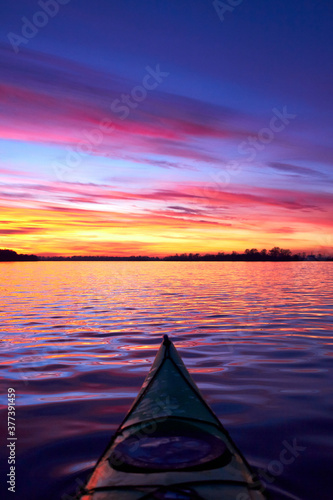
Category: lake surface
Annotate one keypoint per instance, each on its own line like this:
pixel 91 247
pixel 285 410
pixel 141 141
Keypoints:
pixel 79 337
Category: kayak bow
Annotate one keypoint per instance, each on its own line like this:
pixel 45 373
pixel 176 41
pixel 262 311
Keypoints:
pixel 171 445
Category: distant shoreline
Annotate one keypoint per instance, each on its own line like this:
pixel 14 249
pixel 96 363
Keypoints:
pixel 276 254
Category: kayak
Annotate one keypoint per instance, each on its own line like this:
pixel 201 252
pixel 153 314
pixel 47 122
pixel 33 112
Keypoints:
pixel 171 445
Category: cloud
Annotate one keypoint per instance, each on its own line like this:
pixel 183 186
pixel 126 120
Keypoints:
pixel 68 100
pixel 234 220
pixel 295 169
pixel 23 230
pixel 184 209
pixel 165 164
pixel 190 198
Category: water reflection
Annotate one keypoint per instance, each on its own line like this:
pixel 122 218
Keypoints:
pixel 78 338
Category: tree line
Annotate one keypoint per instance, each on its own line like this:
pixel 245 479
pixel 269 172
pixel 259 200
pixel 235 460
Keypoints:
pixel 275 254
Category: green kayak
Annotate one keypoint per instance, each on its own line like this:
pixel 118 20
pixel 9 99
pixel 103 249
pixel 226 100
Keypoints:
pixel 171 445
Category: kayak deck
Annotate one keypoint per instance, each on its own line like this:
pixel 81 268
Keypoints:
pixel 171 445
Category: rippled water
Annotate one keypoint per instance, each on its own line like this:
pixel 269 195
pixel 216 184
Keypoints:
pixel 78 339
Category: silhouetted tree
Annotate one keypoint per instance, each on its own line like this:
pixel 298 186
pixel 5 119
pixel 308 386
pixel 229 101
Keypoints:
pixel 12 256
pixel 275 252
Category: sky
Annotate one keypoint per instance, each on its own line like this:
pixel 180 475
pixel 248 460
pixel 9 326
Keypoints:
pixel 166 126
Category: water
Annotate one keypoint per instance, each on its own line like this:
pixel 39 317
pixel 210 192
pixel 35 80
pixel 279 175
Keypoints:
pixel 78 339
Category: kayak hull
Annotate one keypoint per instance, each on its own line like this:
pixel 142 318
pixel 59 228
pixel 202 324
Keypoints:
pixel 171 445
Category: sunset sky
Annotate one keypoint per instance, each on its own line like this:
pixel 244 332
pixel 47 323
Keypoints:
pixel 165 126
